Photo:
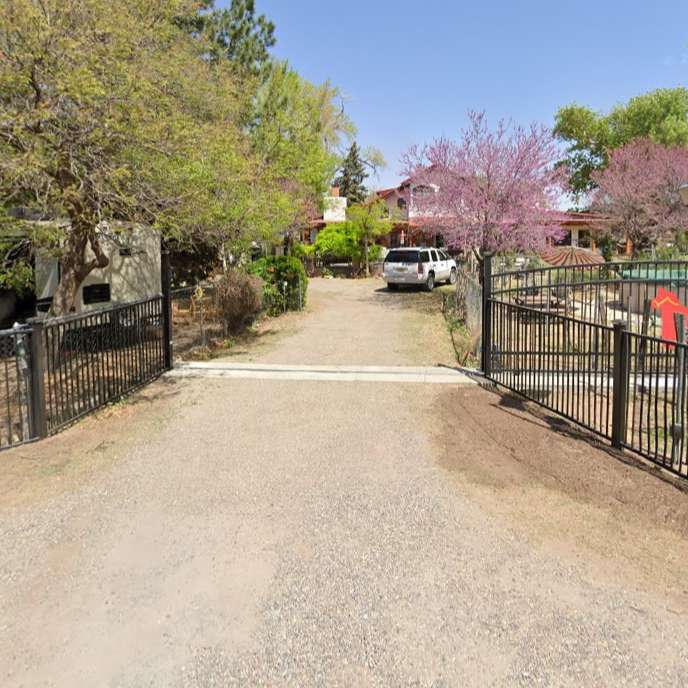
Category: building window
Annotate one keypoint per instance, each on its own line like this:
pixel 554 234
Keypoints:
pixel 96 293
pixel 401 204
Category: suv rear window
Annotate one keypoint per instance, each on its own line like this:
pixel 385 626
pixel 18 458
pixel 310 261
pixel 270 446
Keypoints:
pixel 402 257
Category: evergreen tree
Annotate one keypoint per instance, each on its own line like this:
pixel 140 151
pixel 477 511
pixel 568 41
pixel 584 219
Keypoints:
pixel 235 33
pixel 352 176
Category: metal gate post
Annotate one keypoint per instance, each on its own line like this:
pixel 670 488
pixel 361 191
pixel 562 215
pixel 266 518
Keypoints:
pixel 39 420
pixel 621 379
pixel 166 278
pixel 679 391
pixel 486 348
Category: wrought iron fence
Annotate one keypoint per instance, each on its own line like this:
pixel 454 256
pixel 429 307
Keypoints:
pixel 563 364
pixel 655 400
pixel 585 342
pixel 601 294
pixel 15 387
pixel 55 371
pixel 95 358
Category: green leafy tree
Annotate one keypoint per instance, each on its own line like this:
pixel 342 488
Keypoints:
pixel 351 180
pixel 109 110
pixel 355 239
pixel 16 273
pixel 295 129
pixel 339 241
pixel 660 115
pixel 370 222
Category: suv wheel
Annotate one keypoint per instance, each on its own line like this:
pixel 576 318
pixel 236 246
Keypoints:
pixel 452 276
pixel 430 282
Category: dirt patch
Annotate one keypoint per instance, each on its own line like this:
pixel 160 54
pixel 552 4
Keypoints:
pixel 84 451
pixel 557 484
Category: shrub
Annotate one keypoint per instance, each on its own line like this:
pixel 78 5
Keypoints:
pixel 239 299
pixel 303 251
pixel 307 255
pixel 18 278
pixel 16 272
pixel 375 253
pixel 607 244
pixel 285 283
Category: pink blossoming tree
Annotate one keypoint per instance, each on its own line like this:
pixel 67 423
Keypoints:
pixel 639 190
pixel 490 191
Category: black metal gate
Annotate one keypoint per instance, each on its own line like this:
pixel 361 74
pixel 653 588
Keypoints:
pixel 579 341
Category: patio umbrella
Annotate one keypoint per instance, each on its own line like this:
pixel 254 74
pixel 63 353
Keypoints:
pixel 563 256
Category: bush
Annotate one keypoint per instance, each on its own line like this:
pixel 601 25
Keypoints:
pixel 303 251
pixel 239 299
pixel 607 244
pixel 285 283
pixel 374 253
pixel 18 278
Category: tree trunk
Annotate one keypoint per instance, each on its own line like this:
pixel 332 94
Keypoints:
pixel 367 262
pixel 480 258
pixel 75 268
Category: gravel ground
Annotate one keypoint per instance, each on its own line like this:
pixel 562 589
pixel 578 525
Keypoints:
pixel 355 322
pixel 252 532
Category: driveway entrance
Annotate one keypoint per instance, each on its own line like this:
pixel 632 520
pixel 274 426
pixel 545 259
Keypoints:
pixel 220 530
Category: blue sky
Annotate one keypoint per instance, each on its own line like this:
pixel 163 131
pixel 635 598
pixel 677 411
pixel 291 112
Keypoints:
pixel 410 69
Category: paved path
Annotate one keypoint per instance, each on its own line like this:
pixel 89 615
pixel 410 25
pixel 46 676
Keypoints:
pixel 219 532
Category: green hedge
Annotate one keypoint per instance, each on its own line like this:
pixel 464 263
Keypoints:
pixel 285 281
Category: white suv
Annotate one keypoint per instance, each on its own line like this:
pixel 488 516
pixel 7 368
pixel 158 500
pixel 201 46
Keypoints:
pixel 424 266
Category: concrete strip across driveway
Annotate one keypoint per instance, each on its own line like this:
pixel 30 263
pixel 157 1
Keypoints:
pixel 438 375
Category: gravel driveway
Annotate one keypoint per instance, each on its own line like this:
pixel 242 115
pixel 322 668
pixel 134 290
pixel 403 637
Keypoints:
pixel 220 532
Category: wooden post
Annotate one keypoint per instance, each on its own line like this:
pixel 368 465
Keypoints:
pixel 601 312
pixel 679 388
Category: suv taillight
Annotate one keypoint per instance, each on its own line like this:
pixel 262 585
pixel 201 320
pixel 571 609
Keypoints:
pixel 420 268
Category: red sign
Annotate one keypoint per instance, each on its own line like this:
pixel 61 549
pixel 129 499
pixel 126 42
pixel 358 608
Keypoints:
pixel 667 303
